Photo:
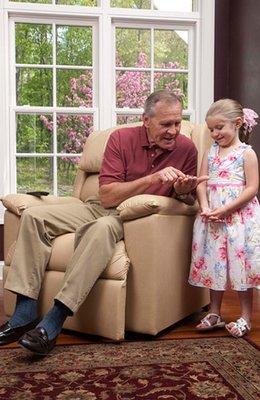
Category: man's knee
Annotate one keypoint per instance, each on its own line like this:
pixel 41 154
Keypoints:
pixel 35 212
pixel 108 225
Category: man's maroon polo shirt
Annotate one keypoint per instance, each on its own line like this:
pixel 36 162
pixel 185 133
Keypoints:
pixel 129 156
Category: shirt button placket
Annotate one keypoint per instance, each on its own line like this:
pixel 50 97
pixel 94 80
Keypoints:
pixel 152 157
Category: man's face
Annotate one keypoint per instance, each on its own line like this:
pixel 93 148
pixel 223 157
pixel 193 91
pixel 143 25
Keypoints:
pixel 165 124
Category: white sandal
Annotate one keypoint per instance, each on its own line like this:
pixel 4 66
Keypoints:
pixel 210 322
pixel 240 325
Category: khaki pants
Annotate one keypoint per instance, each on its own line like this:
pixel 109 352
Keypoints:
pixel 97 231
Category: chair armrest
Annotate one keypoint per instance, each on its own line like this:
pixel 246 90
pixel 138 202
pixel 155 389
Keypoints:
pixel 147 204
pixel 158 293
pixel 17 203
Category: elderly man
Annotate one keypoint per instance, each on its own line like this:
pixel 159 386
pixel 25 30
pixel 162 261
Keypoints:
pixel 154 158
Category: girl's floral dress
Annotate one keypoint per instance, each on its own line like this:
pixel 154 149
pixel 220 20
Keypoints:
pixel 227 254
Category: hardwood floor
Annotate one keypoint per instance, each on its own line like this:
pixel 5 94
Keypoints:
pixel 184 329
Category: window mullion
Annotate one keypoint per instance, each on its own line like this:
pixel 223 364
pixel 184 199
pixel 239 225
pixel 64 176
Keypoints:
pixel 106 73
pixel 13 97
pixel 4 112
pixel 12 163
pixel 152 59
pixel 54 157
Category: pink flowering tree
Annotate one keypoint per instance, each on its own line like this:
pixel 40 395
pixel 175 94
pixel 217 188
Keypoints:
pixel 132 88
pixel 73 129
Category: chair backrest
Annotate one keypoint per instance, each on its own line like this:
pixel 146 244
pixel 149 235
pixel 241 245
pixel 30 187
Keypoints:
pixel 86 182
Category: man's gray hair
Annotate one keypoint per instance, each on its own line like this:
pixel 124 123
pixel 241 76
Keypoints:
pixel 160 95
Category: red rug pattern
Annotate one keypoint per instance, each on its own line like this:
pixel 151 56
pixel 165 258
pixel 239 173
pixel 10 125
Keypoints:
pixel 189 369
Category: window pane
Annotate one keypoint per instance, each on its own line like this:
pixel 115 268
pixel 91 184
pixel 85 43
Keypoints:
pixel 67 169
pixel 178 83
pixel 171 49
pixel 72 131
pixel 74 45
pixel 34 173
pixel 33 43
pixel 128 119
pixel 34 86
pixel 34 133
pixel 89 3
pixel 33 1
pixel 133 47
pixel 141 4
pixel 174 5
pixel 74 88
pixel 132 88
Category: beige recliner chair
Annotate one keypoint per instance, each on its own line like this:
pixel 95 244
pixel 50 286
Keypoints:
pixel 144 288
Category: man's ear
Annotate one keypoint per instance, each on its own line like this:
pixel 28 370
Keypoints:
pixel 146 120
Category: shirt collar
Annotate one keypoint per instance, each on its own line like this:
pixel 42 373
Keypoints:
pixel 144 138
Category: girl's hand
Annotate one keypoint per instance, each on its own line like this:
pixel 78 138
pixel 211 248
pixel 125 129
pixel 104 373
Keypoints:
pixel 218 214
pixel 188 183
pixel 205 211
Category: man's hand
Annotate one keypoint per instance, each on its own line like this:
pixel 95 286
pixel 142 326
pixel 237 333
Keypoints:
pixel 188 183
pixel 167 175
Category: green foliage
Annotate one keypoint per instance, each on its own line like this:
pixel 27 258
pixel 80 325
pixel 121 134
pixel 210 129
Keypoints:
pixel 32 135
pixel 66 176
pixel 33 43
pixel 140 40
pixel 169 47
pixel 33 1
pixel 74 45
pixel 89 3
pixel 140 4
pixel 34 86
pixel 34 173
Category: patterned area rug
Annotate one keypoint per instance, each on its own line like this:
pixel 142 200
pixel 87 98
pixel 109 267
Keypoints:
pixel 190 369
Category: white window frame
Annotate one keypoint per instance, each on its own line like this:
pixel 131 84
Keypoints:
pixel 191 67
pixel 54 110
pixel 201 89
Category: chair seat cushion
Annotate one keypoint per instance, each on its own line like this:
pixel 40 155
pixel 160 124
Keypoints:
pixel 62 252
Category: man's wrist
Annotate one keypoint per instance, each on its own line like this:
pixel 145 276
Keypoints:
pixel 181 196
pixel 186 198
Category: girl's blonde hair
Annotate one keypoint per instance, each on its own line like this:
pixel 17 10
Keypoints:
pixel 230 109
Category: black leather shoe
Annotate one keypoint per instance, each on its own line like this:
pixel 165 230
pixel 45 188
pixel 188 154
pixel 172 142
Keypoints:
pixel 10 335
pixel 37 341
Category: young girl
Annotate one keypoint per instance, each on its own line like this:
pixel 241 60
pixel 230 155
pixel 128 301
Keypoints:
pixel 226 242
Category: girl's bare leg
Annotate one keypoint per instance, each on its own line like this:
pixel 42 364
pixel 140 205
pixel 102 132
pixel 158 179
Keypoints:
pixel 216 297
pixel 246 304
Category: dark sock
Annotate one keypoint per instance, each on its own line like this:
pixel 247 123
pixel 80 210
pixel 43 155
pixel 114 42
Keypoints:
pixel 26 311
pixel 54 320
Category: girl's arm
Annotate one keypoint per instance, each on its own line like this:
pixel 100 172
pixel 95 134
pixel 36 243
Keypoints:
pixel 251 188
pixel 201 188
